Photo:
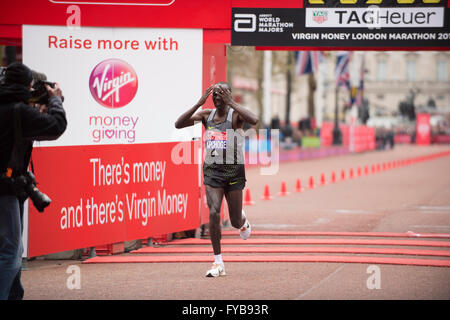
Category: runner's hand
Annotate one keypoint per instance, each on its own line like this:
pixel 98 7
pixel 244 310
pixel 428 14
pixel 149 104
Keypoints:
pixel 225 95
pixel 205 96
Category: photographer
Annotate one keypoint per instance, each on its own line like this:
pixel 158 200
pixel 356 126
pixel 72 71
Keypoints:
pixel 20 124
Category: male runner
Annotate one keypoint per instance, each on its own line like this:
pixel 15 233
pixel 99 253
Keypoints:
pixel 223 169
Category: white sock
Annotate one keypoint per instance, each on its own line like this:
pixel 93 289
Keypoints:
pixel 218 258
pixel 244 218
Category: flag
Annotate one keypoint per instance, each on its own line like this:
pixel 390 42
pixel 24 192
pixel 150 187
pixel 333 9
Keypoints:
pixel 307 61
pixel 342 73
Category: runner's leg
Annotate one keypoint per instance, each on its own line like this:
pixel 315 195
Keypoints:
pixel 234 201
pixel 214 198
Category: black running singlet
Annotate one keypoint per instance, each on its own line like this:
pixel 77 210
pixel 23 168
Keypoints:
pixel 224 159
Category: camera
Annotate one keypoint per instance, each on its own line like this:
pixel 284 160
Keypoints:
pixel 39 94
pixel 2 75
pixel 24 186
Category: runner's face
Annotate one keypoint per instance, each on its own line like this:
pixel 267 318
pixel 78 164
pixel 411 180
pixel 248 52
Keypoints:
pixel 218 102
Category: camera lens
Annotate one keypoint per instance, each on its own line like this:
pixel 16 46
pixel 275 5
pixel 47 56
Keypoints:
pixel 40 200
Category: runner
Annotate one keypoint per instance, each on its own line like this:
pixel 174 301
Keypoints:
pixel 223 169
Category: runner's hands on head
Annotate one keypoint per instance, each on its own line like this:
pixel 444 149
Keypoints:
pixel 225 95
pixel 205 96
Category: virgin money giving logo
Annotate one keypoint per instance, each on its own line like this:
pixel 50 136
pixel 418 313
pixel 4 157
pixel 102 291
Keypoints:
pixel 113 83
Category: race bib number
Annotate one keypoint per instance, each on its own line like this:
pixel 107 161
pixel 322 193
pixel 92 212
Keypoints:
pixel 216 140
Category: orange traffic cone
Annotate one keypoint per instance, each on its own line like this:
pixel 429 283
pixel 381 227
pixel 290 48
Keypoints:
pixel 298 186
pixel 283 192
pixel 366 170
pixel 342 174
pixel 351 173
pixel 311 182
pixel 333 177
pixel 266 195
pixel 322 179
pixel 359 171
pixel 248 198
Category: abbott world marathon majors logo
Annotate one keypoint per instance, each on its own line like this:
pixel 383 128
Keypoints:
pixel 113 83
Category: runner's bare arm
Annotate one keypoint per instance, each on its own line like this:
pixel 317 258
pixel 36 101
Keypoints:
pixel 188 118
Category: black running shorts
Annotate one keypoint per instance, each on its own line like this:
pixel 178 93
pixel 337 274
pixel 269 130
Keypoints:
pixel 226 184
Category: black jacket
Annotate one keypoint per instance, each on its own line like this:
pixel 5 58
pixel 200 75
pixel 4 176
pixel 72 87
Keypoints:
pixel 35 125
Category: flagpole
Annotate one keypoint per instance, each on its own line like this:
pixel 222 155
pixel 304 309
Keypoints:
pixel 288 92
pixel 267 87
pixel 337 136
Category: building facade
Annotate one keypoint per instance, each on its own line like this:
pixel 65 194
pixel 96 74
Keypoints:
pixel 390 77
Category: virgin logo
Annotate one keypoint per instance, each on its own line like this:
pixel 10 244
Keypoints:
pixel 113 83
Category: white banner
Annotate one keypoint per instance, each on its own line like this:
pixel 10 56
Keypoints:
pixel 121 85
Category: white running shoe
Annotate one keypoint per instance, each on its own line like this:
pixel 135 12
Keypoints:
pixel 246 229
pixel 218 269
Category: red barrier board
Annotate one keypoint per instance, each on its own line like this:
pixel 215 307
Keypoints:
pixel 326 134
pixel 440 138
pixel 423 129
pixel 402 138
pixel 111 193
pixel 363 136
